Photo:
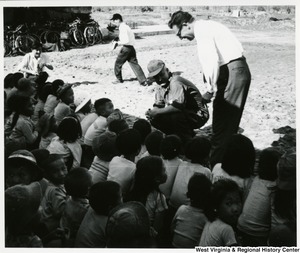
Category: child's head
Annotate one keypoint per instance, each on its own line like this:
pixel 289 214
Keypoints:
pixel 16 77
pixel 268 164
pixel 40 155
pixel 66 94
pixel 69 129
pixel 82 101
pixel 47 124
pixel 117 125
pixel 199 191
pixel 26 87
pixel 170 146
pixel 21 168
pixel 8 81
pixel 153 141
pixel 227 200
pixel 104 146
pixel 198 149
pixel 239 156
pixel 128 226
pixel 21 104
pixel 104 107
pixel 55 169
pixel 128 142
pixel 104 196
pixel 78 182
pixel 45 91
pixel 144 128
pixel 41 79
pixel 56 84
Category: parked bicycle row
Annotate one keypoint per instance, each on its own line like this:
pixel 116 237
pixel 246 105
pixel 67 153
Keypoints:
pixel 55 36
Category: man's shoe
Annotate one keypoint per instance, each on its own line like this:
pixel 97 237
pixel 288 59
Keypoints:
pixel 117 81
pixel 146 83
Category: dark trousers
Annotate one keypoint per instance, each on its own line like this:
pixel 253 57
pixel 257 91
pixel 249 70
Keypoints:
pixel 174 123
pixel 128 53
pixel 232 90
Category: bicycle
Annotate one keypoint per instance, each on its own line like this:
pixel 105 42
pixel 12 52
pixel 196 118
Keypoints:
pixel 92 33
pixel 76 35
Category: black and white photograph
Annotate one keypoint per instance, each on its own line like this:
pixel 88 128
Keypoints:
pixel 149 124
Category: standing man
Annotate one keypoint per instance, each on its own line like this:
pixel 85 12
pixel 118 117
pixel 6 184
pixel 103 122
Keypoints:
pixel 225 71
pixel 178 107
pixel 127 52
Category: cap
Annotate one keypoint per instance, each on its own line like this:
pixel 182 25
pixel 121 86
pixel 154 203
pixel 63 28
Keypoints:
pixel 154 67
pixel 287 171
pixel 116 16
pixel 81 98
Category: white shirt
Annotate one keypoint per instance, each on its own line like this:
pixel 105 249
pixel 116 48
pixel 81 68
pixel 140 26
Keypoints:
pixel 31 63
pixel 126 35
pixel 96 128
pixel 217 46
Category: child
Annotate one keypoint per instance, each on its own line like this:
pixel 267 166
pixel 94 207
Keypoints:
pixel 52 99
pixel 21 168
pixel 21 208
pixel 150 173
pixel 255 220
pixel 63 109
pixel 128 226
pixel 116 126
pixel 103 197
pixel 23 129
pixel 77 185
pixel 48 130
pixel 237 163
pixel 227 203
pixel 152 143
pixel 170 148
pixel 197 150
pixel 144 128
pixel 104 107
pixel 189 220
pixel 66 142
pixel 122 168
pixel 82 101
pixel 53 203
pixel 104 146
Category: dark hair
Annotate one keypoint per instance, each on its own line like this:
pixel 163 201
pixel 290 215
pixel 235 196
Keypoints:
pixel 199 192
pixel 103 196
pixel 16 77
pixel 46 164
pixel 55 85
pixel 170 146
pixel 78 182
pixel 153 141
pixel 41 79
pixel 144 128
pixel 220 189
pixel 198 149
pixel 17 103
pixel 128 142
pixel 8 81
pixel 69 129
pixel 180 17
pixel 45 91
pixel 117 125
pixel 101 102
pixel 148 169
pixel 268 160
pixel 285 203
pixel 239 156
pixel 36 45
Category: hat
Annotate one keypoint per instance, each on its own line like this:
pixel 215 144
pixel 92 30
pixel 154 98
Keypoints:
pixel 61 90
pixel 22 203
pixel 126 223
pixel 104 146
pixel 154 67
pixel 26 156
pixel 80 99
pixel 116 16
pixel 287 171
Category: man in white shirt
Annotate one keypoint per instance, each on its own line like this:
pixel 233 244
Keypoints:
pixel 34 63
pixel 127 52
pixel 225 71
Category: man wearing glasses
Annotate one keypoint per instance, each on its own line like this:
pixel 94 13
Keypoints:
pixel 225 72
pixel 178 107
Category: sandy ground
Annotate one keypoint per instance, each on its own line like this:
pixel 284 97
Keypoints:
pixel 270 54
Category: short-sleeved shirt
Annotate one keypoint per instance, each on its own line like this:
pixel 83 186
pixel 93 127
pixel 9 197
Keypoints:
pixel 217 233
pixel 50 104
pixel 99 170
pixel 60 111
pixel 30 63
pixel 96 128
pixel 155 203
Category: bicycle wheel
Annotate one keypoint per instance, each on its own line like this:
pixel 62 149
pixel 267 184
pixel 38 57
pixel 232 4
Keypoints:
pixel 98 36
pixel 24 43
pixel 78 37
pixel 7 49
pixel 52 37
pixel 89 35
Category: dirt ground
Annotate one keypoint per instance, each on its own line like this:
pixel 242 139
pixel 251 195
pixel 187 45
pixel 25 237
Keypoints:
pixel 270 54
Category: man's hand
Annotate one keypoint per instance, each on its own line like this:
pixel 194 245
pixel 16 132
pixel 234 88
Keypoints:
pixel 115 44
pixel 206 97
